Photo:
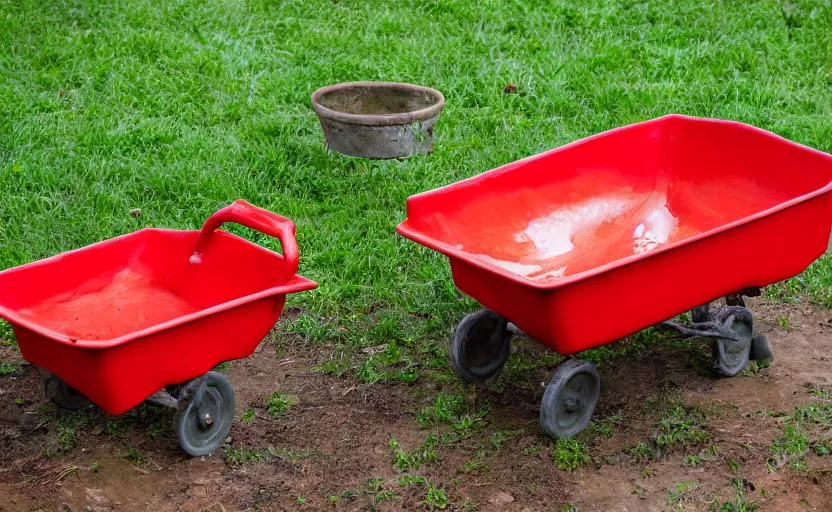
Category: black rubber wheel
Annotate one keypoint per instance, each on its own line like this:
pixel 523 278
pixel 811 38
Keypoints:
pixel 731 356
pixel 761 349
pixel 700 314
pixel 195 436
pixel 480 346
pixel 63 395
pixel 570 399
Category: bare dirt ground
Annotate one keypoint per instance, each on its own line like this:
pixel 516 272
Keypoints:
pixel 332 449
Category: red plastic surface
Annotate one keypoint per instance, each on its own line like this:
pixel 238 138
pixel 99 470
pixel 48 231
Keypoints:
pixel 590 242
pixel 121 319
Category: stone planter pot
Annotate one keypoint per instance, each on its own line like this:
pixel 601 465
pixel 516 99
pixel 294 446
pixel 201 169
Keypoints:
pixel 378 119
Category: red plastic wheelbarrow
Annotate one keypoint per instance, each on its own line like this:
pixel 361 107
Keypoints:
pixel 131 318
pixel 588 243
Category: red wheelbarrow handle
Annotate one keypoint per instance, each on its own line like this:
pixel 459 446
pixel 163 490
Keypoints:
pixel 264 221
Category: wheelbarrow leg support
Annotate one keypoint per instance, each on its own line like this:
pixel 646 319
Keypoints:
pixel 162 397
pixel 731 328
pixel 570 399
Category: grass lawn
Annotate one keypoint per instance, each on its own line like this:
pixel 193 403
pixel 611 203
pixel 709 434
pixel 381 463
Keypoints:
pixel 180 107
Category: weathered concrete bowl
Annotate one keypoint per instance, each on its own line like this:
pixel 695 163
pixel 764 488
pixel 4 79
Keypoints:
pixel 378 119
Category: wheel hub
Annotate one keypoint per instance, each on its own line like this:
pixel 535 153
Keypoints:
pixel 570 399
pixel 572 404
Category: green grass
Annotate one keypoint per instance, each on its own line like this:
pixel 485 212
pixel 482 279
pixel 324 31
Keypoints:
pixel 6 334
pixel 604 427
pixel 424 454
pixel 739 503
pixel 242 454
pixel 680 425
pixel 278 403
pixel 179 107
pixel 679 492
pixel 806 430
pixel 570 454
pixel 641 451
pixel 135 457
pixel 455 418
pixel 692 460
pixel 435 498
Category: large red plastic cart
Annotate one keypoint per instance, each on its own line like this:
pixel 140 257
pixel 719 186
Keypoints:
pixel 590 242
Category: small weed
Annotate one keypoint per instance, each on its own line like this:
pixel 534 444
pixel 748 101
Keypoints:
pixel 332 498
pixel 796 442
pixel 677 494
pixel 570 454
pixel 446 409
pixel 467 506
pixel 384 496
pixel 532 450
pixel 238 455
pixel 604 427
pixel 692 460
pixel 301 500
pixel 641 451
pixel 135 457
pixel 248 415
pixel 436 498
pixel 414 460
pixel 115 428
pixel 501 436
pixel 394 363
pixel 475 466
pixel 7 369
pixel 823 447
pixel 568 507
pixel 408 480
pixel 20 401
pixel 823 394
pixel 335 367
pixel 6 334
pixel 94 467
pixel 222 367
pixel 244 455
pixel 753 368
pixel 680 426
pixel 373 485
pixel 519 369
pixel 46 411
pixel 65 429
pixel 278 404
pixel 739 503
pixel 734 466
pixel 454 410
pixel 66 438
pixel 784 323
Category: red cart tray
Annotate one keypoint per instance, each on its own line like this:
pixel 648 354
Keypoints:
pixel 590 242
pixel 121 319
